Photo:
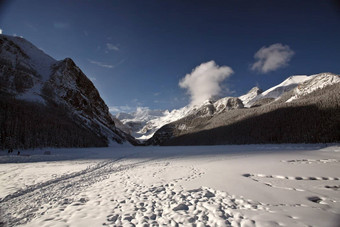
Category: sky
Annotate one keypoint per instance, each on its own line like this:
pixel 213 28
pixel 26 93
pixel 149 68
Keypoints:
pixel 168 54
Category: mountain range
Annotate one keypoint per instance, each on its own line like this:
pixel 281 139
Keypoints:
pixel 50 103
pixel 144 123
pixel 301 109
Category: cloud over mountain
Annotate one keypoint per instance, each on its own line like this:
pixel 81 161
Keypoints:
pixel 272 58
pixel 204 81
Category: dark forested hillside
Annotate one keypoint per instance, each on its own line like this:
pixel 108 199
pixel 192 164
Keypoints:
pixel 30 125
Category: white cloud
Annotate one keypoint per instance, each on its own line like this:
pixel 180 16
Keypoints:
pixel 204 81
pixel 110 46
pixel 0 31
pixel 15 35
pixel 119 109
pixel 101 64
pixel 114 109
pixel 271 58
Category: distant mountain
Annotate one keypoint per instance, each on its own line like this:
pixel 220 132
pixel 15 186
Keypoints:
pixel 34 85
pixel 301 109
pixel 145 122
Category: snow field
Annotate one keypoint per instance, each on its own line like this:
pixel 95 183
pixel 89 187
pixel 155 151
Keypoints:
pixel 258 185
pixel 44 171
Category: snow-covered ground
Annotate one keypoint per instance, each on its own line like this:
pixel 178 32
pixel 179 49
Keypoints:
pixel 251 185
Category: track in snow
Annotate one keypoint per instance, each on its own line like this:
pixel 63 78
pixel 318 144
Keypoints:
pixel 24 205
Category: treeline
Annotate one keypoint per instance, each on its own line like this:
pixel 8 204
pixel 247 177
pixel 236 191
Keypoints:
pixel 26 125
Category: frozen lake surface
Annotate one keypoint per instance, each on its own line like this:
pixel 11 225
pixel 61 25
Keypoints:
pixel 248 185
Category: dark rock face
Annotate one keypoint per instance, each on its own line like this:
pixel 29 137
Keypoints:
pixel 15 74
pixel 14 80
pixel 71 85
pixel 9 46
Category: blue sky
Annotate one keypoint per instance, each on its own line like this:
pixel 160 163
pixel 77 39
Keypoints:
pixel 137 52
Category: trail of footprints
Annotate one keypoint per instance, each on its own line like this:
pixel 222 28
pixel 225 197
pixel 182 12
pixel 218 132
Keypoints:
pixel 311 161
pixel 258 177
pixel 162 204
pixel 290 177
pixel 193 172
pixel 35 200
pixel 261 178
pixel 169 205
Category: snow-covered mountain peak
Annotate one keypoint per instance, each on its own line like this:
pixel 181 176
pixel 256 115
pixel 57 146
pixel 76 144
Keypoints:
pixel 295 79
pixel 23 53
pixel 317 81
pixel 288 84
pixel 228 103
pixel 207 102
pixel 255 91
pixel 145 114
pixel 144 122
pixel 121 116
pixel 275 92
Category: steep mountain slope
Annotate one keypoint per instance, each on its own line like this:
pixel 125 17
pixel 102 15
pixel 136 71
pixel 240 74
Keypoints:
pixel 312 117
pixel 29 74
